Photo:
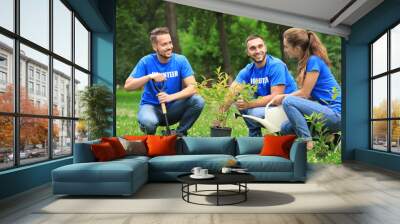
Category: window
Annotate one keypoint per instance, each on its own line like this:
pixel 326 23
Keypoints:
pixel 43 77
pixel 7 14
pixel 44 91
pixel 3 78
pixel 3 61
pixel 30 73
pixel 81 45
pixel 62 129
pixel 81 81
pixel 37 75
pixel 62 75
pixel 6 73
pixel 38 89
pixel 3 72
pixel 7 142
pixel 54 126
pixel 30 87
pixel 35 22
pixel 385 96
pixel 62 29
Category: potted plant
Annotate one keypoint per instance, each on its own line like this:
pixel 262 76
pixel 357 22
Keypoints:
pixel 215 92
pixel 97 104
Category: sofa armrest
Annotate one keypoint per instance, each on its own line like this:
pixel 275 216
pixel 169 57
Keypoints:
pixel 83 152
pixel 298 155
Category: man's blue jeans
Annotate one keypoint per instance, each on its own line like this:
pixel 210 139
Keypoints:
pixel 296 107
pixel 185 111
pixel 253 126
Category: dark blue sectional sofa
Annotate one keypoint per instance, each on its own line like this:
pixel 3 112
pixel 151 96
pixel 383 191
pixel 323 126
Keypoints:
pixel 125 176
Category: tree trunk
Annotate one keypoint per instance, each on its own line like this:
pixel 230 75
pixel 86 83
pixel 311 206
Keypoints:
pixel 223 43
pixel 170 18
pixel 281 30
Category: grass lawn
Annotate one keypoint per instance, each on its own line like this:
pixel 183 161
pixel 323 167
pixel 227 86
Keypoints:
pixel 127 108
pixel 128 105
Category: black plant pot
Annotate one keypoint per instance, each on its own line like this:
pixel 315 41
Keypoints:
pixel 220 132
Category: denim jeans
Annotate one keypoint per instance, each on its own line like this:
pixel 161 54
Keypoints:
pixel 185 111
pixel 296 107
pixel 253 126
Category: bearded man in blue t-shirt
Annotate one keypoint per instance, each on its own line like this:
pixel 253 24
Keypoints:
pixel 271 76
pixel 167 78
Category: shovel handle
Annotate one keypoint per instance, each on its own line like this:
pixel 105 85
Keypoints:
pixel 163 108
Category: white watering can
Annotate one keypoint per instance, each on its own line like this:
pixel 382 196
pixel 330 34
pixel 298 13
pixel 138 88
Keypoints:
pixel 274 117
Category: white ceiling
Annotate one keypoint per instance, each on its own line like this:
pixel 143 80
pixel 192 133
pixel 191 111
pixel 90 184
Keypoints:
pixel 325 16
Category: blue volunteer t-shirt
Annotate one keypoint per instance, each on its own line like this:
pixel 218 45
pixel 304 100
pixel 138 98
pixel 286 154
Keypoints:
pixel 323 90
pixel 274 73
pixel 177 69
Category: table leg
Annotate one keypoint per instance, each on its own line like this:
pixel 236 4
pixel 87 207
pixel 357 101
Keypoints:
pixel 245 191
pixel 217 194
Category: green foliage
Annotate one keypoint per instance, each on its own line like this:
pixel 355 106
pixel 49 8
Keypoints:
pixel 135 20
pixel 214 93
pixel 97 105
pixel 325 147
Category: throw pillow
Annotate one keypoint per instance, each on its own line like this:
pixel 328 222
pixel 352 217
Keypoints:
pixel 142 138
pixel 277 145
pixel 116 145
pixel 136 147
pixel 103 151
pixel 134 137
pixel 161 145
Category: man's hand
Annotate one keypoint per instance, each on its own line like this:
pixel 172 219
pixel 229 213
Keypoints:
pixel 158 77
pixel 242 105
pixel 164 97
pixel 277 100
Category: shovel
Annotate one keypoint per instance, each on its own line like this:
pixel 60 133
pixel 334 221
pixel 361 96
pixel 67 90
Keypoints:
pixel 163 107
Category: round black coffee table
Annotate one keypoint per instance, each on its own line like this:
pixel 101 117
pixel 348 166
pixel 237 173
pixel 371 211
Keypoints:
pixel 238 179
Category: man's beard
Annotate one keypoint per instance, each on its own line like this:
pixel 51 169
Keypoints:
pixel 165 56
pixel 260 61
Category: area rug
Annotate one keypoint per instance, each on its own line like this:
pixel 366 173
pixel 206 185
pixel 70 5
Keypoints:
pixel 167 198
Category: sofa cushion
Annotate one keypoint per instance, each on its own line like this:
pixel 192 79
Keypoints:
pixel 128 159
pixel 134 147
pixel 161 145
pixel 277 145
pixel 103 152
pixel 98 172
pixel 142 138
pixel 257 163
pixel 208 145
pixel 116 145
pixel 185 163
pixel 249 145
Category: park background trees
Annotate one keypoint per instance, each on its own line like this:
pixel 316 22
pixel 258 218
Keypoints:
pixel 208 39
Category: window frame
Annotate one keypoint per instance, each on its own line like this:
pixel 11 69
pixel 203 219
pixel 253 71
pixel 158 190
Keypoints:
pixel 388 74
pixel 16 114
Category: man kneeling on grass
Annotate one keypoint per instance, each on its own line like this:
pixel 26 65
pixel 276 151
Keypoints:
pixel 167 79
pixel 269 74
